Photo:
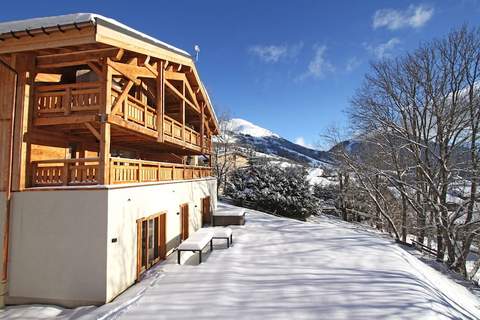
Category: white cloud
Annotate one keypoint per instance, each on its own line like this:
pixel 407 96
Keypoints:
pixel 275 53
pixel 319 66
pixel 301 141
pixel 383 50
pixel 352 64
pixel 413 17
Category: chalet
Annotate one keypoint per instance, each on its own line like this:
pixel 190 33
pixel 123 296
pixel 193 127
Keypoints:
pixel 100 126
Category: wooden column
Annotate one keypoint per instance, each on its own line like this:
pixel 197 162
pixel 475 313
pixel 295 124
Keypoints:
pixel 183 113
pixel 160 103
pixel 25 65
pixel 202 127
pixel 7 89
pixel 105 108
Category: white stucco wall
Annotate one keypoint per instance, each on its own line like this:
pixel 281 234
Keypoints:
pixel 58 247
pixel 61 240
pixel 126 205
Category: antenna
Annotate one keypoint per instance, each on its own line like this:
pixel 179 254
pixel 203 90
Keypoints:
pixel 197 51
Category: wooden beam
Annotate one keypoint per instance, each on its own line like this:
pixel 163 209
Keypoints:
pixel 202 127
pixel 72 119
pixel 105 109
pixel 160 99
pixel 96 69
pixel 151 69
pixel 180 95
pixel 132 71
pixel 93 130
pixel 57 39
pixel 119 55
pixel 73 58
pixel 125 70
pixel 183 113
pixel 121 98
pixel 25 68
pixel 172 75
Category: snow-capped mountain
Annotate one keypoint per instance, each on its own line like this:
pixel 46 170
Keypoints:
pixel 261 140
pixel 244 127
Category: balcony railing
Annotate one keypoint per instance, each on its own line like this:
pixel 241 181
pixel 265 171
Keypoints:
pixel 75 172
pixel 132 171
pixel 77 98
pixel 65 172
pixel 67 98
pixel 134 110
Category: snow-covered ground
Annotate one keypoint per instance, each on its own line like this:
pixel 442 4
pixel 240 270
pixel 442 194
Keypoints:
pixel 280 268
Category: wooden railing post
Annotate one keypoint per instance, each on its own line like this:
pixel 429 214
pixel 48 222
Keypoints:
pixel 65 173
pixel 66 102
pixel 140 177
pixel 125 109
pixel 145 115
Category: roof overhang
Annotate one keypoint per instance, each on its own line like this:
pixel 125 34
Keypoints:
pixel 88 28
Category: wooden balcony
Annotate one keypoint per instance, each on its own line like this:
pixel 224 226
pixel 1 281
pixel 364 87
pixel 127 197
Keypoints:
pixel 67 98
pixel 81 102
pixel 136 171
pixel 77 172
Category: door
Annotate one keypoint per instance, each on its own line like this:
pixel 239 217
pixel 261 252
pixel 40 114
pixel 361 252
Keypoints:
pixel 184 221
pixel 206 211
pixel 151 241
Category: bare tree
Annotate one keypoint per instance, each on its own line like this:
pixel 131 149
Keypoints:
pixel 420 114
pixel 223 145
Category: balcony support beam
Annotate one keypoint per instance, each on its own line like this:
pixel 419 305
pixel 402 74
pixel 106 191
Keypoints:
pixel 202 127
pixel 105 110
pixel 160 99
pixel 183 113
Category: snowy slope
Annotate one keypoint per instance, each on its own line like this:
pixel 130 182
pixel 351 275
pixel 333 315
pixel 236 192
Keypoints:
pixel 251 136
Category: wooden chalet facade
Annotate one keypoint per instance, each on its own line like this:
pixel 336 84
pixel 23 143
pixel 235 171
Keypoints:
pixel 87 103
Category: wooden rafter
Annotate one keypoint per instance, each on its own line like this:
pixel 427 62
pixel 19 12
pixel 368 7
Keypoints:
pixel 171 75
pixel 180 95
pixel 74 58
pixel 125 70
pixel 96 69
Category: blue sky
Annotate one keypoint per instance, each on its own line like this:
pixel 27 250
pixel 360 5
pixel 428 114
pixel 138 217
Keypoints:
pixel 289 66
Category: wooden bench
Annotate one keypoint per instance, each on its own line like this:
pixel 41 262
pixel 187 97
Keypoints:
pixel 196 243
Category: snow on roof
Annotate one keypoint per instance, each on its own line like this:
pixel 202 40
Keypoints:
pixel 245 127
pixel 76 18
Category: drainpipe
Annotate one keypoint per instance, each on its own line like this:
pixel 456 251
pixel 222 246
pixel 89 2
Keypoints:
pixel 6 231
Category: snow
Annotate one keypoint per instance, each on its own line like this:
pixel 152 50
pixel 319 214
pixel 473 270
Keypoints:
pixel 246 127
pixel 315 176
pixel 45 22
pixel 228 210
pixel 280 268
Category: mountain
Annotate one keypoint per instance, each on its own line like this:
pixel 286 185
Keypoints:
pixel 250 136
